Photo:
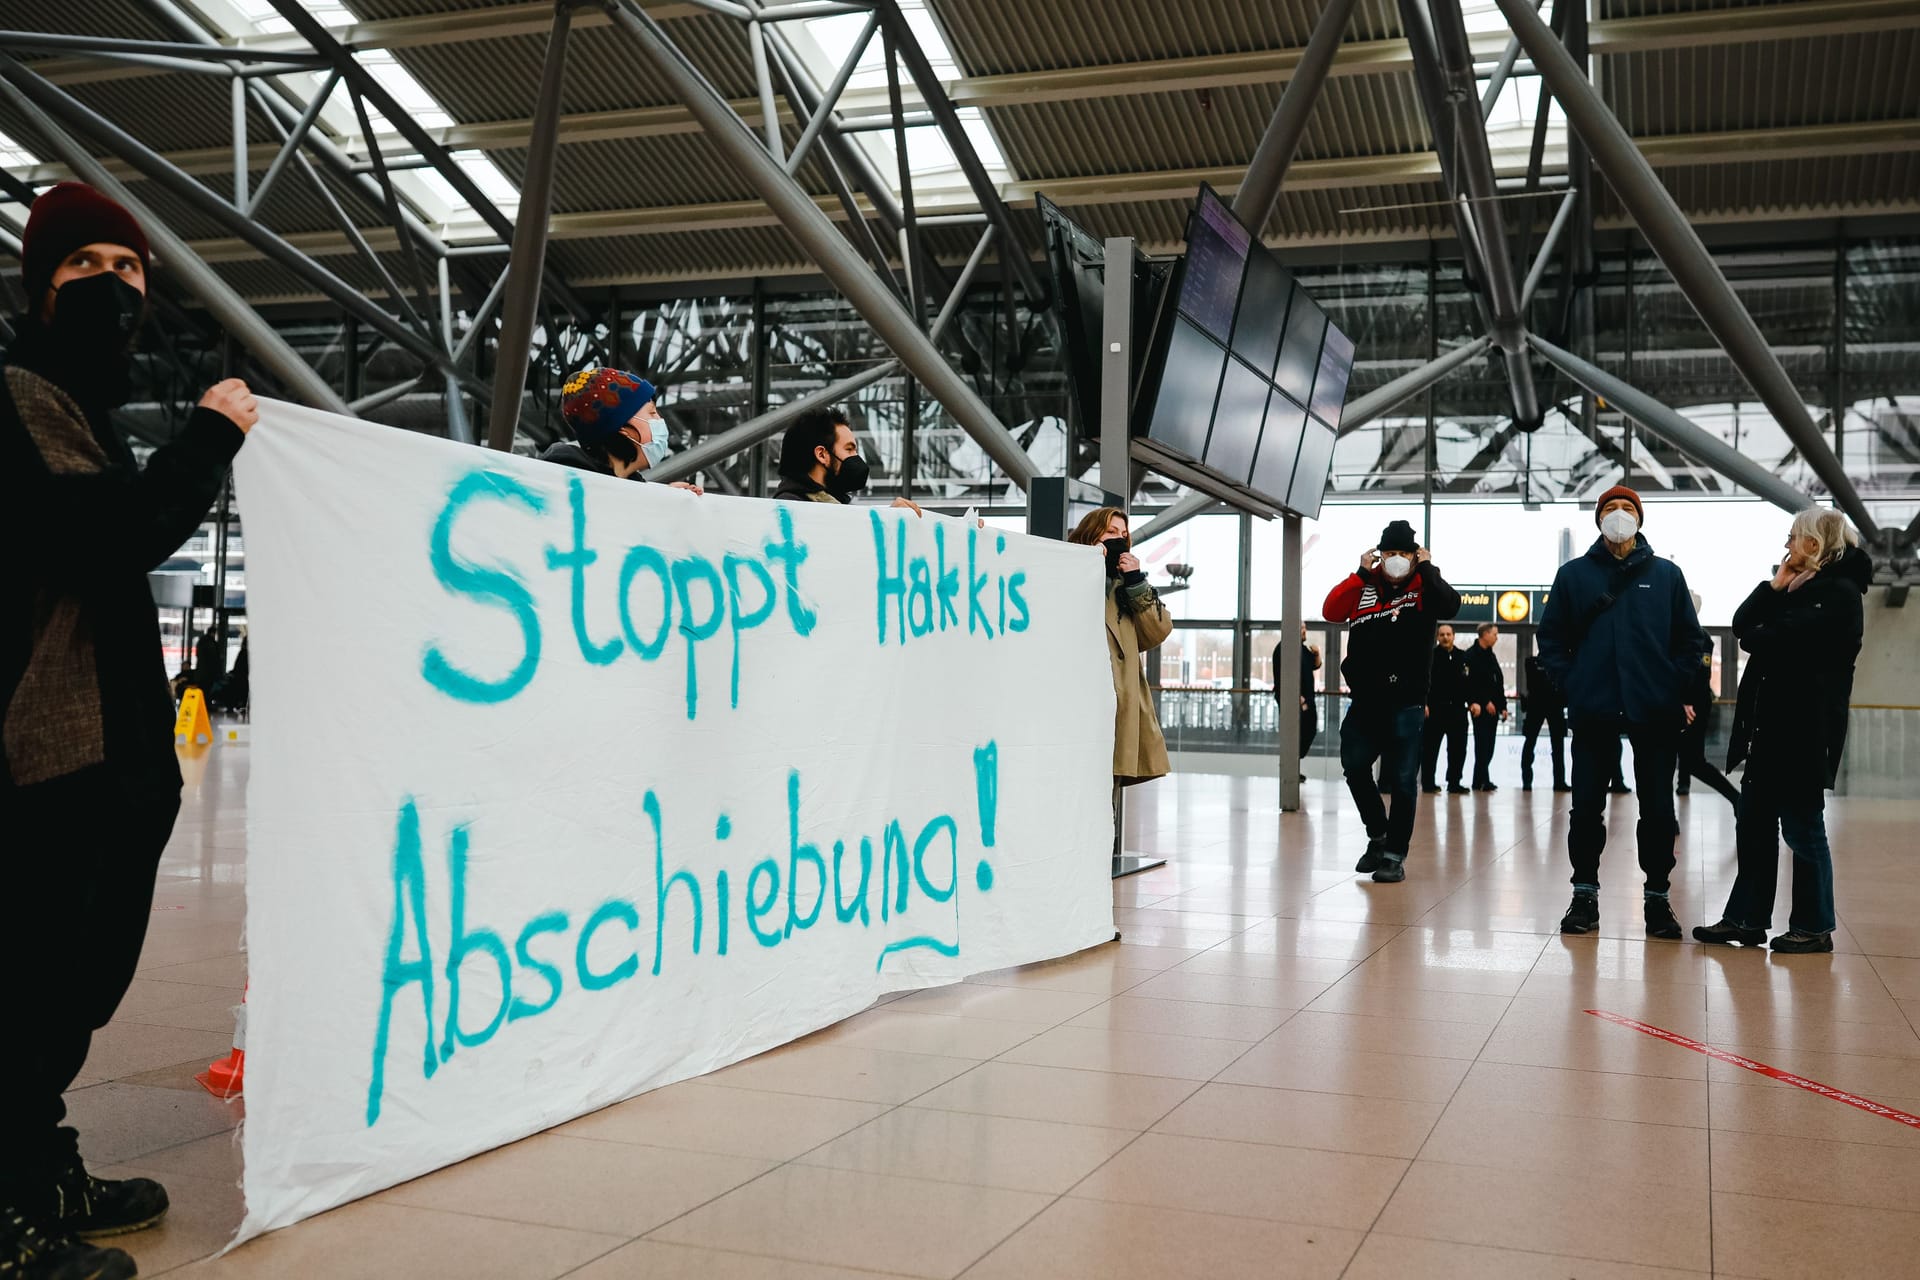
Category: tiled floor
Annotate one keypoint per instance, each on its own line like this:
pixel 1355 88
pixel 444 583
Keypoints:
pixel 1283 1070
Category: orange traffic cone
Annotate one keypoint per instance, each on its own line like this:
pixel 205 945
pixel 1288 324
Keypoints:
pixel 223 1079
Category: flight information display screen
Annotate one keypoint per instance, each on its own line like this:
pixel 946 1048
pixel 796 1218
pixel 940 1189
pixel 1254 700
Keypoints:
pixel 1183 411
pixel 1217 248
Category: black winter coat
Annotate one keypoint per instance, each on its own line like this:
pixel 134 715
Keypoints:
pixel 1447 682
pixel 1486 682
pixel 1790 722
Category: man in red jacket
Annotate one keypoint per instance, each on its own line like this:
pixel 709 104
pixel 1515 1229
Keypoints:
pixel 1391 607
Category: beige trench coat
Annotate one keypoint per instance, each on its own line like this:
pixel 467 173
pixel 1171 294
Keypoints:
pixel 1139 750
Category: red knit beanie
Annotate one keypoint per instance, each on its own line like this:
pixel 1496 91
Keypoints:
pixel 1619 491
pixel 67 216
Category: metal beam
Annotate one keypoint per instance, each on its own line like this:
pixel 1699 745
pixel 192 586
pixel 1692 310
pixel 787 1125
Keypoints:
pixel 716 449
pixel 1175 514
pixel 829 100
pixel 528 262
pixel 1260 189
pixel 1547 244
pixel 1693 268
pixel 1702 446
pixel 1385 399
pixel 168 49
pixel 819 238
pixel 195 276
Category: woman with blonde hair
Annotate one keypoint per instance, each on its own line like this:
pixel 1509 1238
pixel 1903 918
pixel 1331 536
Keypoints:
pixel 1136 623
pixel 1802 632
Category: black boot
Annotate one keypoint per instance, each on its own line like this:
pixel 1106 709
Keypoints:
pixel 1725 934
pixel 1370 860
pixel 1660 920
pixel 90 1206
pixel 1392 869
pixel 32 1252
pixel 1583 914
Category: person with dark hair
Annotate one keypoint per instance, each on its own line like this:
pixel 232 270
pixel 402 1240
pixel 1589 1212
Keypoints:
pixel 820 461
pixel 1802 634
pixel 1390 607
pixel 1486 702
pixel 1543 707
pixel 91 784
pixel 1309 703
pixel 1693 740
pixel 1137 623
pixel 1446 719
pixel 1621 638
pixel 616 424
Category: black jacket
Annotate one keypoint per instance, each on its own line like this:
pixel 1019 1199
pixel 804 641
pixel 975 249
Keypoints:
pixel 1390 633
pixel 803 489
pixel 1486 682
pixel 105 524
pixel 1543 695
pixel 1447 682
pixel 1636 658
pixel 1790 722
pixel 569 453
pixel 1308 665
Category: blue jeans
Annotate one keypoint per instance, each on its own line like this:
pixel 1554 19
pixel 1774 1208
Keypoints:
pixel 1392 736
pixel 1763 820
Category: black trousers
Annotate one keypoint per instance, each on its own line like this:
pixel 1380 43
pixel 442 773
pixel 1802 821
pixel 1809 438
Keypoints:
pixel 1596 757
pixel 1555 722
pixel 84 851
pixel 1693 764
pixel 1485 726
pixel 1450 727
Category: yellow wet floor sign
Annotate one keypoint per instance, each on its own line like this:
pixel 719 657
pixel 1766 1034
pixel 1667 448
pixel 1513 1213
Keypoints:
pixel 193 727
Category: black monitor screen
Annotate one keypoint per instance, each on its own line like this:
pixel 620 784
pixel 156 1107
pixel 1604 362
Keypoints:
pixel 1188 383
pixel 1217 248
pixel 1236 422
pixel 1300 353
pixel 1310 472
pixel 1279 447
pixel 1262 318
pixel 1330 386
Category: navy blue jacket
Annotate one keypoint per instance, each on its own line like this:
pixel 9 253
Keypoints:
pixel 1640 657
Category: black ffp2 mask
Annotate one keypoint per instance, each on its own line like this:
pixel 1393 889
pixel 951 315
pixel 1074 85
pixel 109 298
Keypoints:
pixel 97 315
pixel 850 477
pixel 1116 547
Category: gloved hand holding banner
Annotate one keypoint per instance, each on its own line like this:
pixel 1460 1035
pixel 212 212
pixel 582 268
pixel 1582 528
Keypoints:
pixel 564 788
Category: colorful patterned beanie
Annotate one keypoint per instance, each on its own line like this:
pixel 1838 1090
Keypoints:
pixel 598 402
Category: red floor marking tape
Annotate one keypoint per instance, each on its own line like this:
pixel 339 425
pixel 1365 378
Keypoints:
pixel 1761 1068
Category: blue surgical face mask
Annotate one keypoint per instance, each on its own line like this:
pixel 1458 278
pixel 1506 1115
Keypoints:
pixel 655 451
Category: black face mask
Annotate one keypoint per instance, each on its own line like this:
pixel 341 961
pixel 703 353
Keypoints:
pixel 97 315
pixel 850 476
pixel 1116 547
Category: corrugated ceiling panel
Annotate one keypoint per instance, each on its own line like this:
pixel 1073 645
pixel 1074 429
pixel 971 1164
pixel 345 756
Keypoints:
pixel 633 173
pixel 1888 180
pixel 1831 80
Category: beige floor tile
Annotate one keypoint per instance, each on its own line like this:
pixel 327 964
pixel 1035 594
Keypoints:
pixel 981 1151
pixel 1221 988
pixel 1590 1044
pixel 1765 1001
pixel 841 1071
pixel 1100 980
pixel 1247 1180
pixel 127 1048
pixel 904 1031
pixel 1559 1211
pixel 120 1122
pixel 1367 1034
pixel 1184 1018
pixel 1602 1095
pixel 1268 965
pixel 1412 1002
pixel 1805 1240
pixel 859 1220
pixel 1328 938
pixel 1325 1121
pixel 697 1116
pixel 203 1216
pixel 1004 1004
pixel 1323 1069
pixel 376 1240
pixel 1384 971
pixel 655 1260
pixel 147 996
pixel 1099 1098
pixel 1901 976
pixel 1638 960
pixel 1385 1257
pixel 1507 1138
pixel 1136 1053
pixel 1090 1240
pixel 222 969
pixel 213 1014
pixel 610 1188
pixel 1648 1001
pixel 1858 1174
pixel 1875 1078
pixel 1826 975
pixel 1774 1109
pixel 213 1159
pixel 1814 1032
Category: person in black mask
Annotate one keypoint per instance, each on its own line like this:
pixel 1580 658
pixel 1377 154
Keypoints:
pixel 820 462
pixel 91 783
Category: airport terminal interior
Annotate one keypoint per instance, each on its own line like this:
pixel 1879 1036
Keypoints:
pixel 1473 288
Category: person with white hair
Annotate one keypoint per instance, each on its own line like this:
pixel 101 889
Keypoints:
pixel 1802 631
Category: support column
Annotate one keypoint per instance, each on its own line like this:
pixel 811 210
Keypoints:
pixel 1116 373
pixel 1260 189
pixel 1287 678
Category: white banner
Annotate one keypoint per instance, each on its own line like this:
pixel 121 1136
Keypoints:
pixel 564 788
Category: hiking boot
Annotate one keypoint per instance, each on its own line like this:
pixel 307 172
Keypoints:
pixel 1622 790
pixel 1660 920
pixel 1726 933
pixel 1392 870
pixel 1371 859
pixel 1455 789
pixel 1486 786
pixel 88 1206
pixel 1583 915
pixel 31 1252
pixel 1431 788
pixel 1561 788
pixel 1797 943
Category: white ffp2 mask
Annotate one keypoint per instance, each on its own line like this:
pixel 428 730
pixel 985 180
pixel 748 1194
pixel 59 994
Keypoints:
pixel 1619 526
pixel 1396 567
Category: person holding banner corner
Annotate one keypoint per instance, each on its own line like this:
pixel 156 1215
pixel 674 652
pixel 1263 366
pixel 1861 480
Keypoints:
pixel 92 784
